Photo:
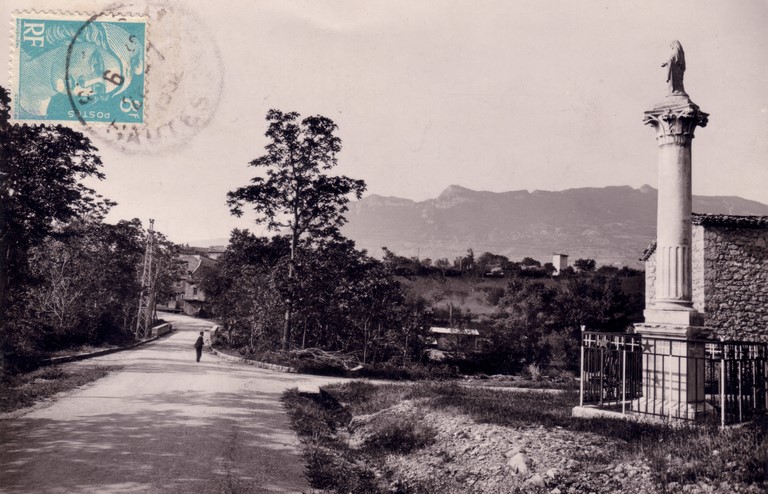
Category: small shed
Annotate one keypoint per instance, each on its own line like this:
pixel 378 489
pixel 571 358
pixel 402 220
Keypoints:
pixel 455 339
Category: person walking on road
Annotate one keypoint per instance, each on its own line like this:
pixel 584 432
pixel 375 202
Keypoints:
pixel 199 346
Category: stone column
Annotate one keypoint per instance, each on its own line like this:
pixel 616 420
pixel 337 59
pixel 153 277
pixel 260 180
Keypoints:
pixel 673 365
pixel 674 121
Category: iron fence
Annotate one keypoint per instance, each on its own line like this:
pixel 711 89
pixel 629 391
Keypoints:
pixel 691 380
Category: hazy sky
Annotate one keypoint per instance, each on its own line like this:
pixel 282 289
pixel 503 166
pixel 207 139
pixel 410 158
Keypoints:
pixel 491 95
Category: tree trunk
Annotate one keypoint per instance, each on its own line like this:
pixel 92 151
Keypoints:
pixel 289 302
pixel 405 348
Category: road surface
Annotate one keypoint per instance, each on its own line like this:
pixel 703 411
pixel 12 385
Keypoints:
pixel 163 423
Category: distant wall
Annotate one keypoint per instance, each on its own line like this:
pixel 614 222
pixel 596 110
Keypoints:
pixel 729 277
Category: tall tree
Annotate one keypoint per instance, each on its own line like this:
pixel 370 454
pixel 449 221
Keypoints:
pixel 41 168
pixel 296 194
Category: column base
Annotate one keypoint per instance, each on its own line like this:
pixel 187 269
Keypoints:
pixel 675 316
pixel 671 409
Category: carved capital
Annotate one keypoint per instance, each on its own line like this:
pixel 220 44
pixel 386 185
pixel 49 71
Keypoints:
pixel 676 125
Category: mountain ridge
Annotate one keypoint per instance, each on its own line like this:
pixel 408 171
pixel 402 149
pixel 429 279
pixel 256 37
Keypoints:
pixel 611 224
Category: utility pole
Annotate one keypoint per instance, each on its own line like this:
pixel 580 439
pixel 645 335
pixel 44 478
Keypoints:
pixel 146 314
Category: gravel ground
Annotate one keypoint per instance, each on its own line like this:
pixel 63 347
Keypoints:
pixel 481 458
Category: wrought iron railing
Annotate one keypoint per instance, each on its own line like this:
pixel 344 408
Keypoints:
pixel 696 380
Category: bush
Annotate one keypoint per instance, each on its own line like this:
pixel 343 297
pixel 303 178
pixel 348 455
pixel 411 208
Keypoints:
pixel 395 435
pixel 534 373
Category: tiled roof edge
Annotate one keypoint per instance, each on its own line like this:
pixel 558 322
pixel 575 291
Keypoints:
pixel 648 252
pixel 729 220
pixel 723 220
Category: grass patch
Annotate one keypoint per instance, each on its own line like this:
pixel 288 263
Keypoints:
pixel 733 455
pixel 330 463
pixel 682 454
pixel 24 390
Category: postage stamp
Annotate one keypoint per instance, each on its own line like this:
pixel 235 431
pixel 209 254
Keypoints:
pixel 74 67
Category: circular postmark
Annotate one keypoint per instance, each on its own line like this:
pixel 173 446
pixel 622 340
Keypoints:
pixel 181 70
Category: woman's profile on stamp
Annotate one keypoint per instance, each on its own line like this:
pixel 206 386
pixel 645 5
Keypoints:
pixel 68 69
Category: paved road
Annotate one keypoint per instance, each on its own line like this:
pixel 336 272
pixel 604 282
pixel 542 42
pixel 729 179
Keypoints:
pixel 163 423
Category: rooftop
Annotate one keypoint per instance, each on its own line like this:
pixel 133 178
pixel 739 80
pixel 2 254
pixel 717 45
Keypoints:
pixel 716 220
pixel 730 220
pixel 467 332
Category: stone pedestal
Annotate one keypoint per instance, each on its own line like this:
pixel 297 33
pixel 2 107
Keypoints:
pixel 673 364
pixel 673 371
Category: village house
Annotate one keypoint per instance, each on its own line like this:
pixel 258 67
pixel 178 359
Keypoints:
pixel 729 274
pixel 189 297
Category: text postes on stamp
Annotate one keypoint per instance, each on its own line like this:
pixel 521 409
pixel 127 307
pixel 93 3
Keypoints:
pixel 74 67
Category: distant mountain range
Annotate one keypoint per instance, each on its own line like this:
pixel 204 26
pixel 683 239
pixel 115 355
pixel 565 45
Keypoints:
pixel 612 224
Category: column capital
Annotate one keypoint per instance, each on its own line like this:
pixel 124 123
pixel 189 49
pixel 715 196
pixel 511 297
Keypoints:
pixel 675 120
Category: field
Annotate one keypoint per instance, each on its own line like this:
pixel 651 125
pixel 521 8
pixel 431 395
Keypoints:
pixel 476 295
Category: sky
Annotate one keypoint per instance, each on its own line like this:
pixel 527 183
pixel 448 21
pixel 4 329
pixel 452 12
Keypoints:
pixel 491 95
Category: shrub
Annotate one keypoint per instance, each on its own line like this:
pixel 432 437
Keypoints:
pixel 412 371
pixel 395 435
pixel 533 372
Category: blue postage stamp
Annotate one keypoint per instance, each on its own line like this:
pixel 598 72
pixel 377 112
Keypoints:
pixel 86 68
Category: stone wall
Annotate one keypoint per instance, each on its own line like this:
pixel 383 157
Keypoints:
pixel 729 277
pixel 697 268
pixel 735 279
pixel 649 256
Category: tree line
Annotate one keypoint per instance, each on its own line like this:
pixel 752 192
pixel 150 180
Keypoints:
pixel 490 265
pixel 67 278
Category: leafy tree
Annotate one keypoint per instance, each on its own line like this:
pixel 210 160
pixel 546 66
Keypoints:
pixel 585 265
pixel 41 168
pixel 487 261
pixel 242 292
pixel 296 194
pixel 539 320
pixel 443 265
pixel 530 262
pixel 465 263
pixel 549 268
pixel 401 265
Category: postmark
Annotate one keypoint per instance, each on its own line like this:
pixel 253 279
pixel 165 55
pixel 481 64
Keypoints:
pixel 173 91
pixel 85 68
pixel 185 79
